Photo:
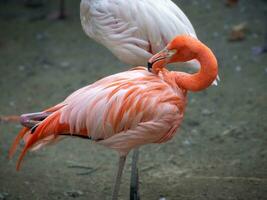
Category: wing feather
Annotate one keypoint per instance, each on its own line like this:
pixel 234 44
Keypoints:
pixel 118 104
pixel 115 111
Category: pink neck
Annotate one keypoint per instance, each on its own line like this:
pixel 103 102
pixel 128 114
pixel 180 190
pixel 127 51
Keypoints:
pixel 205 76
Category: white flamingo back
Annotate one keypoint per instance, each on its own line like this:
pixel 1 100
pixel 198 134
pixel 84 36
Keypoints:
pixel 134 30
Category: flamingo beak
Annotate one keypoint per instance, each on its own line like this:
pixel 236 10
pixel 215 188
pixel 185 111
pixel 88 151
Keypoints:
pixel 158 61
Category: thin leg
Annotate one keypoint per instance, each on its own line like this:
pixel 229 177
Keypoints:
pixel 134 187
pixel 30 120
pixel 118 177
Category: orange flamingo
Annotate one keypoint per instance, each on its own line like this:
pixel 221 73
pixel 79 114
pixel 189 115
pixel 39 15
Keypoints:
pixel 128 109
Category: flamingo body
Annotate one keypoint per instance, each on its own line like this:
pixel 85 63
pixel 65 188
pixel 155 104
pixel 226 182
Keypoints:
pixel 121 112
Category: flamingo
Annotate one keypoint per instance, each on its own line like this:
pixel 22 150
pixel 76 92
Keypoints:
pixel 135 30
pixel 126 110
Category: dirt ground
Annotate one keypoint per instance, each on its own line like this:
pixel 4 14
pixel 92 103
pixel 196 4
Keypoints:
pixel 220 152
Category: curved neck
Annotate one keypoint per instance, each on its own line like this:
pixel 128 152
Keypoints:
pixel 205 76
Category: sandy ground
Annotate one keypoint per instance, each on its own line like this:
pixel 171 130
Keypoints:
pixel 220 152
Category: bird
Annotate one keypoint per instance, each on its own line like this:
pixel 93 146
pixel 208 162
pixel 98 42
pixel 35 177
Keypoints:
pixel 135 30
pixel 126 110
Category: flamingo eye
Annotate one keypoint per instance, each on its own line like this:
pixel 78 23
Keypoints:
pixel 170 53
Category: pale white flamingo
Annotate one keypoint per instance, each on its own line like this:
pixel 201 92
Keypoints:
pixel 134 30
pixel 128 109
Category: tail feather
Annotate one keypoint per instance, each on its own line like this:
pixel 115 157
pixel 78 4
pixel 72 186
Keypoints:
pixel 46 132
pixel 25 130
pixel 13 148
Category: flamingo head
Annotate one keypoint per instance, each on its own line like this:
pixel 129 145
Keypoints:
pixel 182 48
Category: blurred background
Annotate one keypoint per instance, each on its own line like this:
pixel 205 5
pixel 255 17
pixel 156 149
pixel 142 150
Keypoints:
pixel 221 149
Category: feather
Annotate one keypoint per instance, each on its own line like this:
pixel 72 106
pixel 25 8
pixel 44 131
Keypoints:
pixel 110 22
pixel 110 110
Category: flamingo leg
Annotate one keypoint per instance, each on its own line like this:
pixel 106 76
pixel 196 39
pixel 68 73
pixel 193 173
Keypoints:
pixel 116 188
pixel 30 120
pixel 134 186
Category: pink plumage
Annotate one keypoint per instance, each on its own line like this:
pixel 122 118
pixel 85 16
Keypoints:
pixel 121 112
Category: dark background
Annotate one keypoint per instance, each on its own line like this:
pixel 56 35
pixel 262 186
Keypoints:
pixel 220 151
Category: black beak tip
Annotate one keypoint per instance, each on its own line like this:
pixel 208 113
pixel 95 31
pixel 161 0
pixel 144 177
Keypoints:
pixel 149 66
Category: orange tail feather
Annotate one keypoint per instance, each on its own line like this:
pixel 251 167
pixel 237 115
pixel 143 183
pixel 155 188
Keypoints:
pixel 13 148
pixel 24 130
pixel 49 128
